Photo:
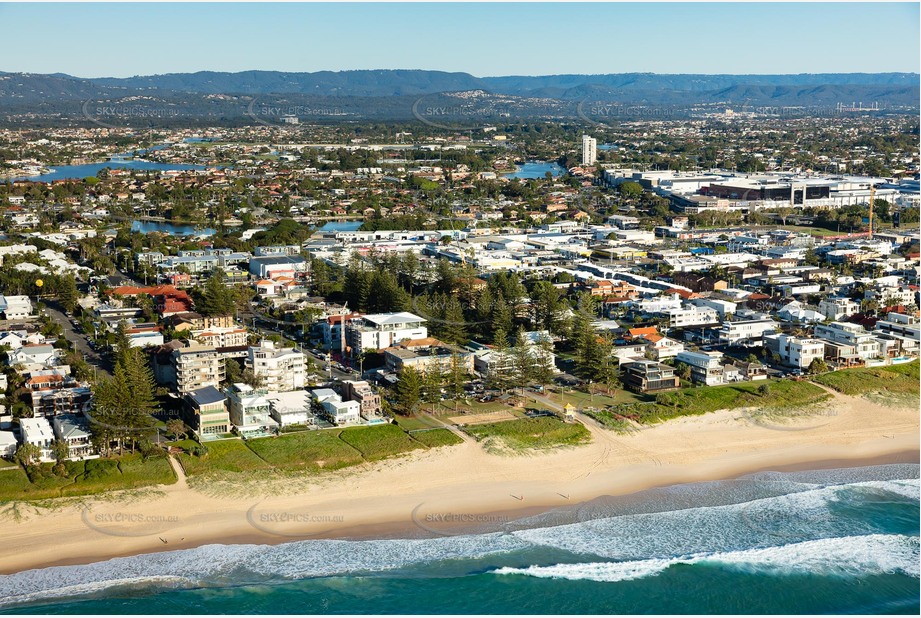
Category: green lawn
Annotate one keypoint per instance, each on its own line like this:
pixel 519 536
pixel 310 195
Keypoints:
pixel 892 379
pixel 223 455
pixel 434 438
pixel 525 434
pixel 379 442
pixel 409 423
pixel 781 394
pixel 85 477
pixel 310 450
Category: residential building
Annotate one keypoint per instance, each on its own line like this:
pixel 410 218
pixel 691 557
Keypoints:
pixel 745 331
pixel 335 410
pixel 291 408
pixel 221 337
pixel 589 150
pixel 8 444
pixel 795 351
pixel 866 346
pixel 278 369
pixel 15 307
pixel 56 401
pixel 38 431
pixel 426 354
pixel 691 316
pixel 75 431
pixel 250 410
pixel 197 366
pixel 383 330
pixel 706 367
pixel 645 376
pixel 206 412
pixel 836 307
pixel 369 401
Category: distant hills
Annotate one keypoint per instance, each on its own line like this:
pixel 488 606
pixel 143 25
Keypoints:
pixel 391 94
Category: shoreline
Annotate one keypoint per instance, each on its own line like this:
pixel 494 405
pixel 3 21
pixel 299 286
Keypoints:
pixel 460 489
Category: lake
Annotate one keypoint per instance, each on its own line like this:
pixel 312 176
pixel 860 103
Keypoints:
pixel 341 226
pixel 119 161
pixel 172 229
pixel 537 169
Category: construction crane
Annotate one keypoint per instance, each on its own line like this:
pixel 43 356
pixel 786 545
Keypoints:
pixel 872 194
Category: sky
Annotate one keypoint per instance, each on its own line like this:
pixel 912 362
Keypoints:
pixel 120 40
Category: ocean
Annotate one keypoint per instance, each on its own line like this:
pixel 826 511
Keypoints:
pixel 829 541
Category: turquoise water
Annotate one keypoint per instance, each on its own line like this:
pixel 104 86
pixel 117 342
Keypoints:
pixel 341 226
pixel 835 541
pixel 170 228
pixel 537 169
pixel 120 161
pixel 64 172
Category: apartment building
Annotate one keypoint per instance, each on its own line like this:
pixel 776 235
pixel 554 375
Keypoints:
pixel 706 367
pixel 335 410
pixel 795 351
pixel 206 411
pixel 38 432
pixel 291 408
pixel 278 369
pixel 196 367
pixel 691 316
pixel 648 376
pixel 427 354
pixel 369 402
pixel 250 409
pixel 835 307
pixel 865 345
pixel 383 330
pixel 216 337
pixel 740 331
pixel 56 401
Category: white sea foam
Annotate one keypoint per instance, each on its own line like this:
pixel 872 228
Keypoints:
pixel 240 564
pixel 790 517
pixel 843 556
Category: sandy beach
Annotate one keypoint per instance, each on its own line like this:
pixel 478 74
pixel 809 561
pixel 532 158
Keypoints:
pixel 433 492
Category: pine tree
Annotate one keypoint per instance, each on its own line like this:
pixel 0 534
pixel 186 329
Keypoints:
pixel 453 325
pixel 409 390
pixel 68 294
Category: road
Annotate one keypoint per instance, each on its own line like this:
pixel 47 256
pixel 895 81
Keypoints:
pixel 260 323
pixel 79 341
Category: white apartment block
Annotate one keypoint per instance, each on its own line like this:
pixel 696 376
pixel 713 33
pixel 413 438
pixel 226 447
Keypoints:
pixel 865 345
pixel 722 307
pixel 197 366
pixel 796 351
pixel 279 369
pixel 38 431
pixel 336 410
pixel 383 330
pixel 706 367
pixel 745 330
pixel 691 316
pixel 589 150
pixel 834 307
pixel 250 409
pixel 232 337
